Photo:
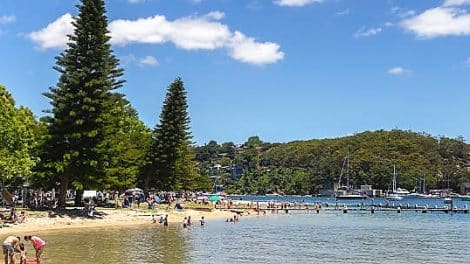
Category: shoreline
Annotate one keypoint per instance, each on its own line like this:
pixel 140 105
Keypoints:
pixel 111 218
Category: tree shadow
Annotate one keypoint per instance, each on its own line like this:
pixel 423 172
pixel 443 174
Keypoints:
pixel 76 213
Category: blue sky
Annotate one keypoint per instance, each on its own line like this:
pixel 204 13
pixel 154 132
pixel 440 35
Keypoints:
pixel 280 69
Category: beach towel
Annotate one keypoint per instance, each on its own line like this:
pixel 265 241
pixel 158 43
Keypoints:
pixel 31 261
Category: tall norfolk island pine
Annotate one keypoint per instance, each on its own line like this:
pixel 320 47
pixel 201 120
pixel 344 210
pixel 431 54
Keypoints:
pixel 80 150
pixel 172 159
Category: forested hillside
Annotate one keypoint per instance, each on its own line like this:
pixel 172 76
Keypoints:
pixel 305 167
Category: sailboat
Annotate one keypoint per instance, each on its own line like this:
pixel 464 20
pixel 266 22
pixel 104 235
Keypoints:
pixel 346 192
pixel 397 193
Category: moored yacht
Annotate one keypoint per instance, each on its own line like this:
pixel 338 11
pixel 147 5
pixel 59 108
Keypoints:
pixel 346 192
pixel 397 193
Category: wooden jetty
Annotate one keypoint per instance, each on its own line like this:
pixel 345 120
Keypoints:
pixel 316 208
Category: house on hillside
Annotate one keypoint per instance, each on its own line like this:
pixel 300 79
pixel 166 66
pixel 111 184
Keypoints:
pixel 465 188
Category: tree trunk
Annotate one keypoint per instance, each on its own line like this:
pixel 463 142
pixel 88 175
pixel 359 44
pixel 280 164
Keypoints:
pixel 63 187
pixel 78 198
pixel 146 184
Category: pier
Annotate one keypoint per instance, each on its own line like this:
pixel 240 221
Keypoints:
pixel 285 208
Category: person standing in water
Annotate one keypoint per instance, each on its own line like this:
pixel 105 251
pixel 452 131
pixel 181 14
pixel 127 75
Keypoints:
pixel 38 245
pixel 165 220
pixel 10 245
pixel 202 221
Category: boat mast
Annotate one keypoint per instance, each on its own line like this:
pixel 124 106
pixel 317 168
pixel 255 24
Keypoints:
pixel 394 179
pixel 347 170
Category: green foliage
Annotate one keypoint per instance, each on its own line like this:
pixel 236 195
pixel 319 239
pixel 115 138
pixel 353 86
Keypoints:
pixel 303 167
pixel 126 139
pixel 18 138
pixel 83 130
pixel 172 165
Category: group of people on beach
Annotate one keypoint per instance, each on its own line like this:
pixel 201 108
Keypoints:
pixel 12 245
pixel 13 217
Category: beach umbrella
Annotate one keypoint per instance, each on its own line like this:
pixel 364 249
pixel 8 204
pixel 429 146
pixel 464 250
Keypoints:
pixel 214 198
pixel 134 190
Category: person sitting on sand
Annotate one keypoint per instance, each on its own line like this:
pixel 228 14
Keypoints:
pixel 38 245
pixel 13 215
pixel 22 217
pixel 10 245
pixel 22 254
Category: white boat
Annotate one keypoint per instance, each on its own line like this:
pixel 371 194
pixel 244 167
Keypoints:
pixel 447 200
pixel 346 192
pixel 394 197
pixel 397 191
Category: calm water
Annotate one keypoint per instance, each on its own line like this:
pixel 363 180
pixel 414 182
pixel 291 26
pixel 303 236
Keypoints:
pixel 331 237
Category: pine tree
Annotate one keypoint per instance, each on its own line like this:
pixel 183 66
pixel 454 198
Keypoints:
pixel 172 160
pixel 124 147
pixel 77 125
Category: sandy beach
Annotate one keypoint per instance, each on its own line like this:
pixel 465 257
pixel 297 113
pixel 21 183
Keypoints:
pixel 40 221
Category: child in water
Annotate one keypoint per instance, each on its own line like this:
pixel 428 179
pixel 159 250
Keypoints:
pixel 22 254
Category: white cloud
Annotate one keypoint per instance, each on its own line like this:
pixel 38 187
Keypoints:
pixel 7 19
pixel 189 33
pixel 456 2
pixel 195 1
pixel 398 71
pixel 216 15
pixel 402 12
pixel 148 61
pixel 135 1
pixel 204 32
pixel 247 50
pixel 364 32
pixel 295 2
pixel 55 34
pixel 439 21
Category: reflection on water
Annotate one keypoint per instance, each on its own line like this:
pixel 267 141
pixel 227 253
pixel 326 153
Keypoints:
pixel 330 237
